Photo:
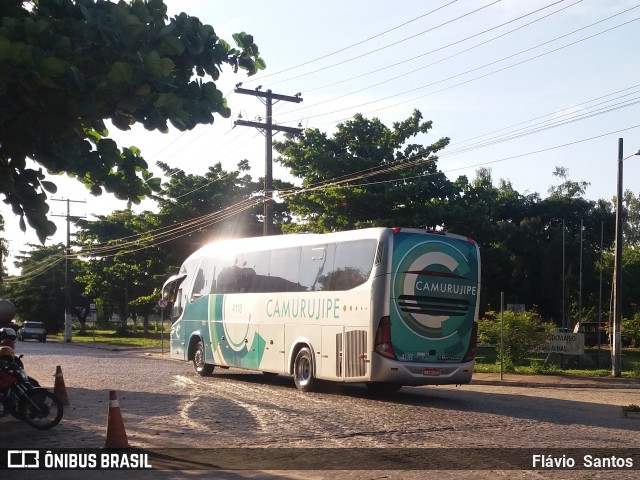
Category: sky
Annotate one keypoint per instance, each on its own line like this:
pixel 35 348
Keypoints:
pixel 519 86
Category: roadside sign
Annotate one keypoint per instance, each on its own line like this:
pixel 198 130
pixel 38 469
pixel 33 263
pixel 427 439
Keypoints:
pixel 162 303
pixel 566 343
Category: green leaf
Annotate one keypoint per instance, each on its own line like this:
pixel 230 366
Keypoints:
pixel 131 21
pixel 52 66
pixel 173 45
pixel 143 89
pixel 179 123
pixel 5 48
pixel 224 45
pixel 170 101
pixel 166 66
pixel 154 184
pixel 120 74
pixel 75 78
pixel 49 186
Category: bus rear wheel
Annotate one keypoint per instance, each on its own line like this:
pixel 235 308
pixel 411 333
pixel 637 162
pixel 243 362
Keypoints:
pixel 203 369
pixel 303 370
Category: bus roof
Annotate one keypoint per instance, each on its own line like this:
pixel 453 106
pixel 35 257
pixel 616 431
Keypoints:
pixel 237 245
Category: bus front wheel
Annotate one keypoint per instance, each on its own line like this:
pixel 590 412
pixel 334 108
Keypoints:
pixel 303 370
pixel 203 369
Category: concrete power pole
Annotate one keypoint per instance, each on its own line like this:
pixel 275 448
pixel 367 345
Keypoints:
pixel 67 256
pixel 268 127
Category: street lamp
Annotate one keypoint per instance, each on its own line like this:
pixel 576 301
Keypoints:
pixel 616 352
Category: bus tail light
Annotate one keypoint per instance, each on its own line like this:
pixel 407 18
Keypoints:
pixel 383 339
pixel 473 343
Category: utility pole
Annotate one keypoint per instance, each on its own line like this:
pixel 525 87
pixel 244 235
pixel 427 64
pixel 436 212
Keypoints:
pixel 267 128
pixel 616 349
pixel 564 318
pixel 67 256
pixel 616 360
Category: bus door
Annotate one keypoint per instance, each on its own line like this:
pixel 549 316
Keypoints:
pixel 172 301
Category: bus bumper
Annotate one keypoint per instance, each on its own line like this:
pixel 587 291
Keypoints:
pixel 384 370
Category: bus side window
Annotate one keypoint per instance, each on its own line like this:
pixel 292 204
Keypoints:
pixel 254 274
pixel 228 280
pixel 352 265
pixel 205 277
pixel 314 262
pixel 183 289
pixel 283 270
pixel 181 297
pixel 198 285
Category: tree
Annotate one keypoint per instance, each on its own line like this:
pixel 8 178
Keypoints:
pixel 39 294
pixel 199 207
pixel 515 232
pixel 67 66
pixel 524 334
pixel 366 174
pixel 568 188
pixel 492 216
pixel 125 263
pixel 631 225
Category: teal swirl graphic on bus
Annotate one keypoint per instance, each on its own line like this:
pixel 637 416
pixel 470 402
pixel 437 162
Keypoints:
pixel 238 342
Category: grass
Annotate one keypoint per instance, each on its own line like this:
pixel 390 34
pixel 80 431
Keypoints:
pixel 488 361
pixel 106 336
pixel 487 358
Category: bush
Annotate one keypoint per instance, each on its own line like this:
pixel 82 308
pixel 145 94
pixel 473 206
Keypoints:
pixel 523 334
pixel 629 331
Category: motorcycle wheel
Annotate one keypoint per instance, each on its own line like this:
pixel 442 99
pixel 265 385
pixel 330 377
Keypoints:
pixel 41 409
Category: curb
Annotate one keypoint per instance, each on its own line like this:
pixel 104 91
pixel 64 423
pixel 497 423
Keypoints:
pixel 532 384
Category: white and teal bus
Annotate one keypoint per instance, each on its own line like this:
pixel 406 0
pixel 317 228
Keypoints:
pixel 382 306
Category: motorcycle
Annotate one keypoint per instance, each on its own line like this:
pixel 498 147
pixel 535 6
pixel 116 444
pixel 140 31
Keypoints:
pixel 8 339
pixel 36 406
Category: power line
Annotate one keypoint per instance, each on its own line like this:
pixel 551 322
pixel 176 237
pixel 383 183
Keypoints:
pixel 469 71
pixel 556 112
pixel 405 61
pixel 412 37
pixel 349 46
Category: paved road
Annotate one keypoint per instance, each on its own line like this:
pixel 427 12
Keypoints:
pixel 165 405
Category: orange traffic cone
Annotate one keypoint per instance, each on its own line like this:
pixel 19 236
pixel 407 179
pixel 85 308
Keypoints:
pixel 116 436
pixel 59 390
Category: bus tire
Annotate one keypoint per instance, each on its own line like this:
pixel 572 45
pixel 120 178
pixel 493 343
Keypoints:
pixel 303 370
pixel 203 369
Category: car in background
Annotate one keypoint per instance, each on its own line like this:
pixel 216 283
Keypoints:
pixel 32 330
pixel 594 334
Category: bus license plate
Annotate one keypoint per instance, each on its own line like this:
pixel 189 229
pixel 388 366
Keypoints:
pixel 431 372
